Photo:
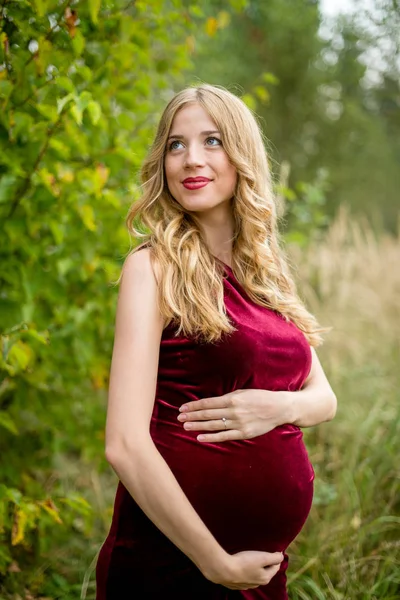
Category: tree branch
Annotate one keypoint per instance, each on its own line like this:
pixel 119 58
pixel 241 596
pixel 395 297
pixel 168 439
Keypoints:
pixel 39 87
pixel 26 183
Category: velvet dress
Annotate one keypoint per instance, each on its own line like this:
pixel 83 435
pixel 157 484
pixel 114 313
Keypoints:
pixel 251 494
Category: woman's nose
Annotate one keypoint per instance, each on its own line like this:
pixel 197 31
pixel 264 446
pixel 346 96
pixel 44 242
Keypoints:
pixel 194 155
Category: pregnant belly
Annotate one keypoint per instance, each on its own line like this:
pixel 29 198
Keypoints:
pixel 252 494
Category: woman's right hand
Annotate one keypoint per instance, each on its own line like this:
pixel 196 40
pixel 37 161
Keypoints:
pixel 246 570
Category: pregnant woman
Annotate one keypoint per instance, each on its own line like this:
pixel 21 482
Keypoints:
pixel 213 372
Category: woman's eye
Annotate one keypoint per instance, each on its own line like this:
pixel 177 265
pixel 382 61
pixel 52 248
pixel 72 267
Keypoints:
pixel 172 147
pixel 215 140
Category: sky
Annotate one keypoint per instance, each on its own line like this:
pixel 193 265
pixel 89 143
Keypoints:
pixel 333 7
pixel 373 58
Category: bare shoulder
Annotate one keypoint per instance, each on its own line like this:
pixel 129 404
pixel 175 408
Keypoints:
pixel 139 288
pixel 140 262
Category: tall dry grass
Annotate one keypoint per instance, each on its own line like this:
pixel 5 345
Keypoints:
pixel 350 547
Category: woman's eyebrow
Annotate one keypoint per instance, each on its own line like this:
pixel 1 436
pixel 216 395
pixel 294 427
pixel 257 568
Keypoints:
pixel 181 137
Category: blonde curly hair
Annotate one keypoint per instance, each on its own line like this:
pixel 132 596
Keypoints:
pixel 190 281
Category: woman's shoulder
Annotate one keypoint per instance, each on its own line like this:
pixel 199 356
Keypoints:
pixel 146 252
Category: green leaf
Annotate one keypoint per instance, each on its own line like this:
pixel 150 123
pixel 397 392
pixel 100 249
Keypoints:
pixel 77 503
pixel 5 88
pixel 65 83
pixel 64 265
pixel 270 78
pixel 42 337
pixel 87 215
pixel 288 193
pixel 61 102
pixel 3 515
pixel 238 5
pixel 262 93
pixel 62 149
pixel 57 230
pixel 41 7
pixel 48 111
pixel 19 525
pixel 84 99
pixel 49 180
pixel 94 7
pixel 250 101
pixel 77 113
pixel 78 43
pixel 84 72
pixel 21 355
pixel 7 423
pixel 94 111
pixel 7 186
pixel 49 506
pixel 14 495
pixel 22 125
pixel 196 11
pixel 223 18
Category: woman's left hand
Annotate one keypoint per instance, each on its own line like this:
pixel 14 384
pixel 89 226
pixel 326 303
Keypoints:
pixel 248 414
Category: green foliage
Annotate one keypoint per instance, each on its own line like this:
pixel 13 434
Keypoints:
pixel 304 205
pixel 81 86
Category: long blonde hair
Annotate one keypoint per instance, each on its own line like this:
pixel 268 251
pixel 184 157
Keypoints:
pixel 190 281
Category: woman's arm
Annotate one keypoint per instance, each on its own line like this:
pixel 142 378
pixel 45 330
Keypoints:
pixel 129 447
pixel 316 402
pixel 151 483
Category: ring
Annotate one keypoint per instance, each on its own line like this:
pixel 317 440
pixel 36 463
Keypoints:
pixel 224 421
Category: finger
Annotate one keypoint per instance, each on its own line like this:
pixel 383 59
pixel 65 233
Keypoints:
pixel 274 558
pixel 205 415
pixel 216 425
pixel 269 573
pixel 204 403
pixel 222 436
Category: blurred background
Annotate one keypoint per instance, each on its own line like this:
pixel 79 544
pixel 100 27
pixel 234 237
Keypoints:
pixel 82 85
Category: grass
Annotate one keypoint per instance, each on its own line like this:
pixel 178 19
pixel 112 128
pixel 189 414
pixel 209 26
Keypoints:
pixel 350 546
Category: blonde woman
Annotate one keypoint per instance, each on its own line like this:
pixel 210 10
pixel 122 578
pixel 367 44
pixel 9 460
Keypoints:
pixel 213 372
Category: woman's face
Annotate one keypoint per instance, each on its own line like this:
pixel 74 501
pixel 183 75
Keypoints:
pixel 198 172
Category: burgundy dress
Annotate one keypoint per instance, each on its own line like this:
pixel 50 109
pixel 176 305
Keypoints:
pixel 251 494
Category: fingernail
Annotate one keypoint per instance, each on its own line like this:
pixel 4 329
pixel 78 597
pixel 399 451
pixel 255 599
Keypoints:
pixel 183 408
pixel 182 417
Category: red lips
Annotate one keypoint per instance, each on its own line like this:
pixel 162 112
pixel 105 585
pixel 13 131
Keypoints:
pixel 195 180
